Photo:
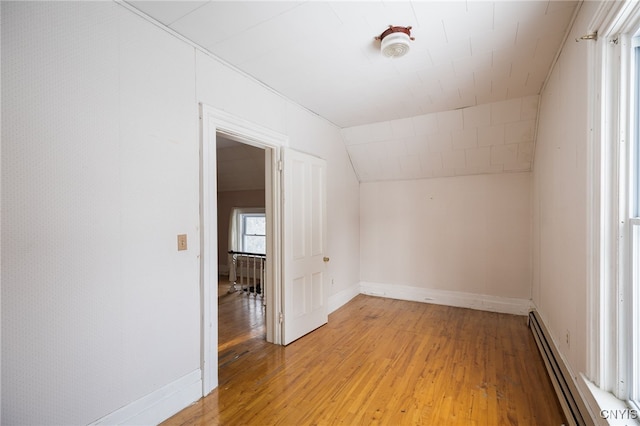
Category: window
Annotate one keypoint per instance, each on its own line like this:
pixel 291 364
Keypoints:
pixel 635 153
pixel 634 224
pixel 635 273
pixel 614 298
pixel 253 229
pixel 249 229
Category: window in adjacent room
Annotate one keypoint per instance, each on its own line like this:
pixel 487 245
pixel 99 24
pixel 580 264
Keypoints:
pixel 252 231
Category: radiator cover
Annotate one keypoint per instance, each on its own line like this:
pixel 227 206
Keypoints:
pixel 573 406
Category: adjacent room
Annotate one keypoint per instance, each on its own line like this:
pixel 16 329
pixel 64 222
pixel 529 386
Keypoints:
pixel 320 212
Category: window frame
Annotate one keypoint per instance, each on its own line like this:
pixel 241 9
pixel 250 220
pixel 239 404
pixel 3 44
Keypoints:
pixel 241 215
pixel 613 361
pixel 634 264
pixel 633 222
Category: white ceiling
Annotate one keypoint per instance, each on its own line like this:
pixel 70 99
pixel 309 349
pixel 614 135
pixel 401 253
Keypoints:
pixel 323 56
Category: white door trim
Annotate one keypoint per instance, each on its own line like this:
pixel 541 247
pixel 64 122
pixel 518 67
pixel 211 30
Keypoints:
pixel 213 121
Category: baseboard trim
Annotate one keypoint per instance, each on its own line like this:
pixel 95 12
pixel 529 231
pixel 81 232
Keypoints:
pixel 339 299
pixel 481 302
pixel 160 404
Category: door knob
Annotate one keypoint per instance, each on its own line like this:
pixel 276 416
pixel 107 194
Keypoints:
pixel 325 259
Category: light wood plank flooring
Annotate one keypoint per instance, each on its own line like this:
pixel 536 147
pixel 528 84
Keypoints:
pixel 378 361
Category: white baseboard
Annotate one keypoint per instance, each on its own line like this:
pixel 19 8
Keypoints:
pixel 158 405
pixel 342 297
pixel 481 302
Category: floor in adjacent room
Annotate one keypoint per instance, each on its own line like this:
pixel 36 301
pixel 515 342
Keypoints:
pixel 378 361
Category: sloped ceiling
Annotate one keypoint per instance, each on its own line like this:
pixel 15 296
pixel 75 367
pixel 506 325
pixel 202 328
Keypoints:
pixel 474 57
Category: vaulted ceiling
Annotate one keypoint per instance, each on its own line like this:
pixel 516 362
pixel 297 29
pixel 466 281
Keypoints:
pixel 446 108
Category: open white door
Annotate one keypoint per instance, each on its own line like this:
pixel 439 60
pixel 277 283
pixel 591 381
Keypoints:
pixel 304 224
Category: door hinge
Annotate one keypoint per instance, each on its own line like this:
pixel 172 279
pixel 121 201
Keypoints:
pixel 280 318
pixel 280 165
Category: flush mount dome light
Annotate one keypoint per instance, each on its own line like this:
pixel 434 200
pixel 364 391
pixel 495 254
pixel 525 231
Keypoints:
pixel 394 41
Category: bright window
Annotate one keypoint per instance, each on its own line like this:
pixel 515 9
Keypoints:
pixel 635 151
pixel 635 267
pixel 253 232
pixel 614 313
pixel 634 225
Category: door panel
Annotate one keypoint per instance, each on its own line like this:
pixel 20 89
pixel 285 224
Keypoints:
pixel 304 293
pixel 317 209
pixel 298 206
pixel 317 287
pixel 298 288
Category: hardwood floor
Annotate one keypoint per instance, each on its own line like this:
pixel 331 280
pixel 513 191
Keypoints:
pixel 378 361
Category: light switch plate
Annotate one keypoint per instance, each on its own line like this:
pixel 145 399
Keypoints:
pixel 182 242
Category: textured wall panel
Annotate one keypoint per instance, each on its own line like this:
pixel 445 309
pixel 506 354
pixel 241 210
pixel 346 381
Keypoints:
pixel 469 234
pixel 99 174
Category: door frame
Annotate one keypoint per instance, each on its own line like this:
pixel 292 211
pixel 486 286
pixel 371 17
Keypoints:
pixel 212 122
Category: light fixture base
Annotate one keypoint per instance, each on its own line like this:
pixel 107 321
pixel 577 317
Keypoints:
pixel 394 41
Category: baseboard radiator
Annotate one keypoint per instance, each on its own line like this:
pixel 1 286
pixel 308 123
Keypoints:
pixel 574 408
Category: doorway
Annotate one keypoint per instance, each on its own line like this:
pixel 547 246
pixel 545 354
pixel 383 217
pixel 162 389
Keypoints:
pixel 242 250
pixel 295 206
pixel 219 125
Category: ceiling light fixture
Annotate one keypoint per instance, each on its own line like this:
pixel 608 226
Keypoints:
pixel 394 41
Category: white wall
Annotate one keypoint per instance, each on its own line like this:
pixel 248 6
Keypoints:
pixel 229 91
pixel 560 207
pixel 99 174
pixel 468 234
